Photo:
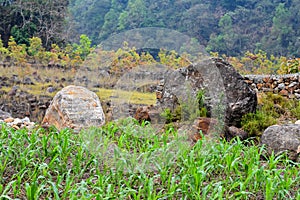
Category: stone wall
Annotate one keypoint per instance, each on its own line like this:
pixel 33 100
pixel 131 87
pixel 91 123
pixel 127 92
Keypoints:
pixel 25 105
pixel 286 85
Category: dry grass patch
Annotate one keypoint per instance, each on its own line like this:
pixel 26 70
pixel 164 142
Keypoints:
pixel 122 96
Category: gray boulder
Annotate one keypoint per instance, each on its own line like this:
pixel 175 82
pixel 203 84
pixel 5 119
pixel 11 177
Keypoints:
pixel 283 138
pixel 74 107
pixel 227 96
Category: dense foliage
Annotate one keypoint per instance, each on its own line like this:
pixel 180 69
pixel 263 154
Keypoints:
pixel 230 27
pixel 39 18
pixel 227 27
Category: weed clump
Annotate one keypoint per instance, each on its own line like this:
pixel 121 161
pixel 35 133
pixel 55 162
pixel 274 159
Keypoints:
pixel 272 109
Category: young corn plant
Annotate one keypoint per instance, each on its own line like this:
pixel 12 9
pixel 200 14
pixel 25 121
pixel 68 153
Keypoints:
pixel 144 164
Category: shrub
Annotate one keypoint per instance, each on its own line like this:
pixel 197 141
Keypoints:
pixel 256 123
pixel 172 116
pixel 272 109
pixel 296 111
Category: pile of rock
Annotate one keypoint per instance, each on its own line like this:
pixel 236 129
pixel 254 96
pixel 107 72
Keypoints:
pixel 15 123
pixel 286 85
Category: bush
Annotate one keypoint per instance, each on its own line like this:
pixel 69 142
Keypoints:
pixel 296 111
pixel 256 123
pixel 272 108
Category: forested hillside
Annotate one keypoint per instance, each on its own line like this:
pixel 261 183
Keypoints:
pixel 231 27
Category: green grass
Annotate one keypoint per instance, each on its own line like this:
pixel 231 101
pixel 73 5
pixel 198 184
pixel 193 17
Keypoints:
pixel 124 160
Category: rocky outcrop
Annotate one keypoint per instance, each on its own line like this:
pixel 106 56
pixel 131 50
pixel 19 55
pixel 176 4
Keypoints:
pixel 74 107
pixel 286 85
pixel 227 94
pixel 283 138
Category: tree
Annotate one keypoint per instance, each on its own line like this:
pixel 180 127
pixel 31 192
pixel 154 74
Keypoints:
pixel 282 31
pixel 87 17
pixel 133 16
pixel 269 25
pixel 197 25
pixel 111 18
pixel 227 40
pixel 27 18
pixel 84 47
pixel 8 19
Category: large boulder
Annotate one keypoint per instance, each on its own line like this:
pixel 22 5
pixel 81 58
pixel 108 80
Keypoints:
pixel 74 107
pixel 280 138
pixel 227 95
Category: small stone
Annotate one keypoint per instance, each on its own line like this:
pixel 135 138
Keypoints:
pixel 291 89
pixel 297 122
pixel 259 86
pixel 9 120
pixel 17 121
pixel 249 82
pixel 29 125
pixel 292 84
pixel 32 99
pixel 281 86
pixel 266 79
pixel 28 81
pixel 50 89
pixel 209 127
pixel 257 80
pixel 13 91
pixel 269 85
pixel 142 114
pixel 26 120
pixel 284 93
pixel 253 86
pixel 160 88
pixel 15 127
pixel 238 132
pixel 158 95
